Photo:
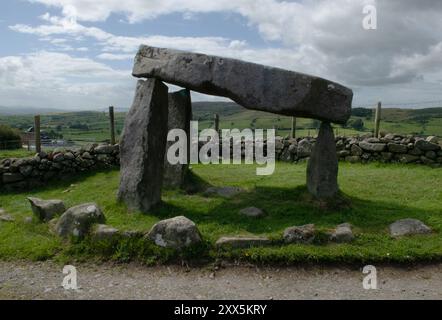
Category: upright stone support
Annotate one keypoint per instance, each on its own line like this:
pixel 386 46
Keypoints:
pixel 180 115
pixel 142 146
pixel 322 168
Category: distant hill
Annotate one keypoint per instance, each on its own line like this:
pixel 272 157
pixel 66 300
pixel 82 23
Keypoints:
pixel 10 111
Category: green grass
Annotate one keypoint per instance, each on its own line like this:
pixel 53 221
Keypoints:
pixel 16 153
pixel 380 194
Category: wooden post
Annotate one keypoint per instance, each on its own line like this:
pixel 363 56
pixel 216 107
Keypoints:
pixel 37 134
pixel 377 120
pixel 293 130
pixel 217 122
pixel 112 125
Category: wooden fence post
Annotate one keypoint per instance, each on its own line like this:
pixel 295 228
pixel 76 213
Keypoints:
pixel 112 125
pixel 37 133
pixel 293 130
pixel 377 120
pixel 217 122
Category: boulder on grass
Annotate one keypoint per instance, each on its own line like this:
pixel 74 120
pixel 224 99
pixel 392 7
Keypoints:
pixel 177 233
pixel 252 212
pixel 300 234
pixel 46 210
pixel 408 227
pixel 78 220
pixel 342 234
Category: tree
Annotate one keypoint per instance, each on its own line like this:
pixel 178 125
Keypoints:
pixel 357 124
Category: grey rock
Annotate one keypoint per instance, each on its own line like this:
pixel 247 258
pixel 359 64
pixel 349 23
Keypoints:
pixel 432 139
pixel 9 177
pixel 28 220
pixel 177 233
pixel 180 115
pixel 6 217
pixel 322 168
pixel 78 220
pixel 252 212
pixel 300 234
pixel 142 147
pixel 397 148
pixel 408 158
pixel 342 234
pixel 104 232
pixel 431 155
pixel 86 155
pixel 104 149
pixel 386 156
pixel 372 147
pixel 415 152
pixel 305 148
pixel 427 146
pixel 225 192
pixel 58 157
pixel 353 159
pixel 407 227
pixel 242 242
pixel 356 150
pixel 46 210
pixel 26 170
pixel 251 85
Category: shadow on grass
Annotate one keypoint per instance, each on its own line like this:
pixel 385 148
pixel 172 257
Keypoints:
pixel 285 207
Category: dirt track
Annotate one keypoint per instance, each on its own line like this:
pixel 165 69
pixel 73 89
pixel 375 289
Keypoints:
pixel 20 280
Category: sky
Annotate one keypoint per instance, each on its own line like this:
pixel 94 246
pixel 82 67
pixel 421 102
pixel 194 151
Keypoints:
pixel 78 54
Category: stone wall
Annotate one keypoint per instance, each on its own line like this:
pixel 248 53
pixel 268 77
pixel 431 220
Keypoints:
pixel 390 148
pixel 27 173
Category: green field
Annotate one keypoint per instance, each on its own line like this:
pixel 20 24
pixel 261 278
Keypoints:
pixel 380 194
pixel 87 126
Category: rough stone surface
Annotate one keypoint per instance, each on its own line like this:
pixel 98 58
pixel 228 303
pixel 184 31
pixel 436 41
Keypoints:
pixel 6 217
pixel 177 233
pixel 342 233
pixel 180 115
pixel 397 148
pixel 408 227
pixel 104 232
pixel 372 147
pixel 143 145
pixel 252 212
pixel 242 242
pixel 225 192
pixel 427 146
pixel 251 85
pixel 46 210
pixel 305 148
pixel 322 168
pixel 77 221
pixel 300 234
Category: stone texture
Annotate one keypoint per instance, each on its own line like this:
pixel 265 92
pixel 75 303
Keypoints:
pixel 251 85
pixel 427 146
pixel 252 212
pixel 397 148
pixel 407 227
pixel 432 139
pixel 6 217
pixel 342 233
pixel 408 158
pixel 322 168
pixel 242 242
pixel 143 145
pixel 305 148
pixel 77 221
pixel 300 234
pixel 180 115
pixel 372 147
pixel 104 232
pixel 46 210
pixel 356 150
pixel 177 233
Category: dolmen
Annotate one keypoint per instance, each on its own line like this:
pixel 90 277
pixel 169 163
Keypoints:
pixel 144 169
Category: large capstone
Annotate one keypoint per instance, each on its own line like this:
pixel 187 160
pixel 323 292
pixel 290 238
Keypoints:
pixel 180 115
pixel 251 85
pixel 322 169
pixel 142 147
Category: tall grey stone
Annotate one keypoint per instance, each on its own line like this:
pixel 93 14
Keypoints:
pixel 322 168
pixel 251 85
pixel 142 147
pixel 180 115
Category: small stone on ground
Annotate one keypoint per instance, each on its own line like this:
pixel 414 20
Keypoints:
pixel 252 212
pixel 408 227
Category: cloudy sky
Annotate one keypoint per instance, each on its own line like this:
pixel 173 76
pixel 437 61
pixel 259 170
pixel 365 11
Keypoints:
pixel 78 53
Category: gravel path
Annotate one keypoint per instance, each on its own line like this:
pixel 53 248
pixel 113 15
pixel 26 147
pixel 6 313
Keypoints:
pixel 24 280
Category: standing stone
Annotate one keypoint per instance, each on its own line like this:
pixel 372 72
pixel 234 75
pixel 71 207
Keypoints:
pixel 142 147
pixel 322 169
pixel 180 115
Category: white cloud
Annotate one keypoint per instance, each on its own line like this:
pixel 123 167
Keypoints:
pixel 58 80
